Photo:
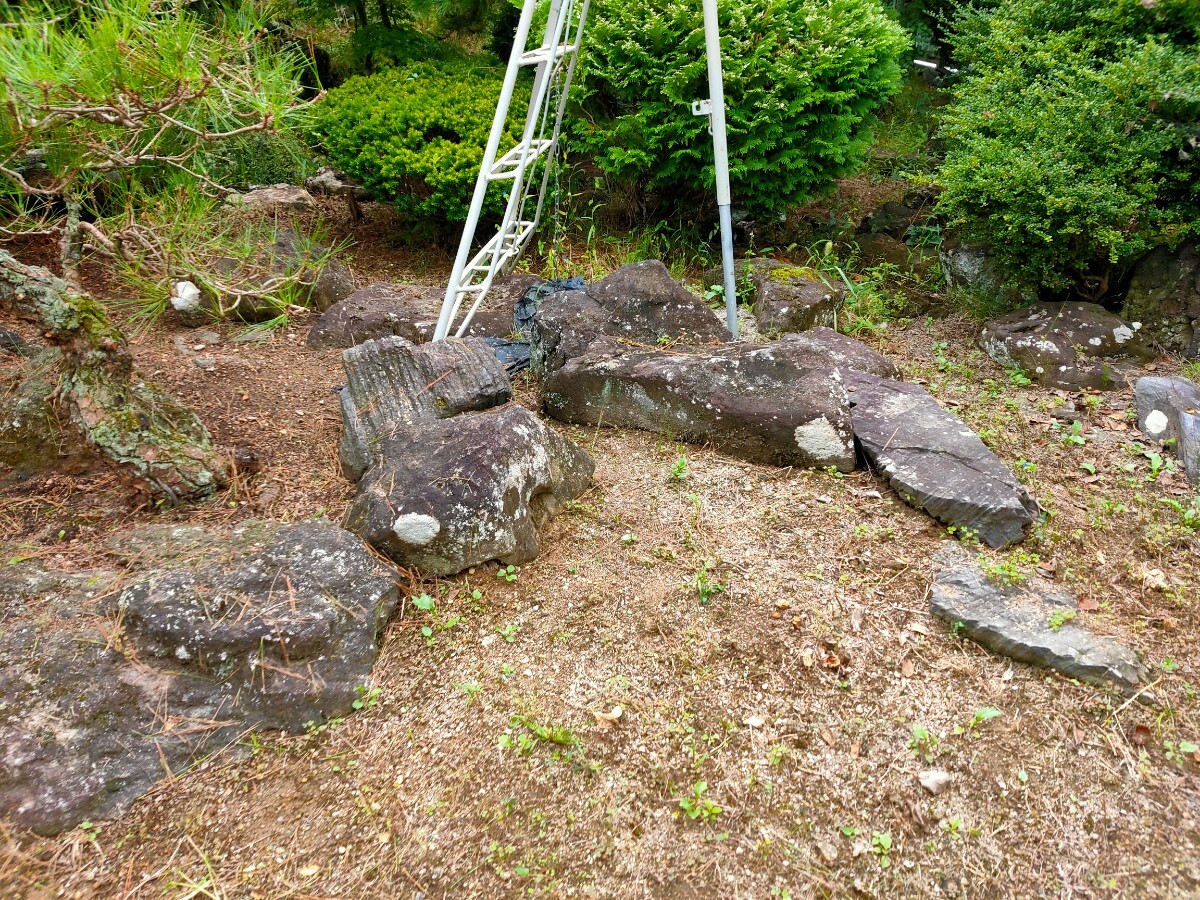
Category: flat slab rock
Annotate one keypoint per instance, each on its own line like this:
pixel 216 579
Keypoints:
pixel 1017 622
pixel 1066 345
pixel 782 403
pixel 264 626
pixel 448 494
pixel 1169 412
pixel 391 384
pixel 935 462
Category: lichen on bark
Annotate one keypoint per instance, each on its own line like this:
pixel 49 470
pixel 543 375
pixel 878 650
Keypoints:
pixel 128 421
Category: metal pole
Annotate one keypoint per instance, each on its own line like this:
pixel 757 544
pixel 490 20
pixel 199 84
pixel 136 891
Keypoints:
pixel 489 158
pixel 716 93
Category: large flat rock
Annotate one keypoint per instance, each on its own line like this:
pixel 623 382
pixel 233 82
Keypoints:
pixel 448 494
pixel 935 462
pixel 1032 623
pixel 779 403
pixel 109 686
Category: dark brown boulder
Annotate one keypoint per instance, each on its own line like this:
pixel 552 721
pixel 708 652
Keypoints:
pixel 448 494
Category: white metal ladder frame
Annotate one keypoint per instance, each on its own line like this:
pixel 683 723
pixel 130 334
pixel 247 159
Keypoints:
pixel 555 60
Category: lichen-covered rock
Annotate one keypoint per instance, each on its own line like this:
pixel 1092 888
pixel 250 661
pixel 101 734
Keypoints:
pixel 1032 623
pixel 786 298
pixel 1169 412
pixel 447 494
pixel 391 384
pixel 780 403
pixel 1164 295
pixel 1066 345
pixel 935 462
pixel 106 688
pixel 274 197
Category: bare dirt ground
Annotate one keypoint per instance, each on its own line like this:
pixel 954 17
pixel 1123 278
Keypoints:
pixel 764 633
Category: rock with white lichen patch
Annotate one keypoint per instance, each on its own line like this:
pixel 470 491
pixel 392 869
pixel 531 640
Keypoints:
pixel 1066 345
pixel 1169 412
pixel 447 494
pixel 1032 622
pixel 937 463
pixel 109 687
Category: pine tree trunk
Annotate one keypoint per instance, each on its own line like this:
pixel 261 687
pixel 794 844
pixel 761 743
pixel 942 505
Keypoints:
pixel 132 423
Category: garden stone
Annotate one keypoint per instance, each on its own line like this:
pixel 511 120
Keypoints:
pixel 779 403
pixel 375 311
pixel 408 311
pixel 1164 295
pixel 1032 623
pixel 786 298
pixel 448 494
pixel 643 303
pixel 213 634
pixel 1169 411
pixel 975 269
pixel 292 254
pixel 1074 346
pixel 935 462
pixel 392 384
pixel 274 197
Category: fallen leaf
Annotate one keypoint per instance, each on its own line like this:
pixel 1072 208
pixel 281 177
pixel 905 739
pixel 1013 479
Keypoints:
pixel 309 871
pixel 608 720
pixel 934 780
pixel 907 667
pixel 1139 735
pixel 826 735
pixel 806 657
pixel 753 721
pixel 917 628
pixel 1155 579
pixel 1088 605
pixel 856 616
pixel 832 661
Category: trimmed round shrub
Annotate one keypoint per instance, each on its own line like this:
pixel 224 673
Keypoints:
pixel 803 79
pixel 1071 142
pixel 415 136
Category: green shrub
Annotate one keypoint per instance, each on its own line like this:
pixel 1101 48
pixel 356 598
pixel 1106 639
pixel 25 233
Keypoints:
pixel 1070 143
pixel 256 159
pixel 374 48
pixel 415 136
pixel 803 79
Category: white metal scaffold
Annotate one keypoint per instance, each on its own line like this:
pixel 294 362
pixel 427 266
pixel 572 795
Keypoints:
pixel 528 165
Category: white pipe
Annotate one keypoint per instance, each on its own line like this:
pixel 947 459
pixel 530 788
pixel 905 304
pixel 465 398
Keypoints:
pixel 489 159
pixel 716 94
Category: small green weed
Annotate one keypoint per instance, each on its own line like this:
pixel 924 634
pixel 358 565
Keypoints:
pixel 698 805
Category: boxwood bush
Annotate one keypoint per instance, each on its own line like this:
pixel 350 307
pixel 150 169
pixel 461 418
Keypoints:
pixel 802 80
pixel 415 136
pixel 1071 139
